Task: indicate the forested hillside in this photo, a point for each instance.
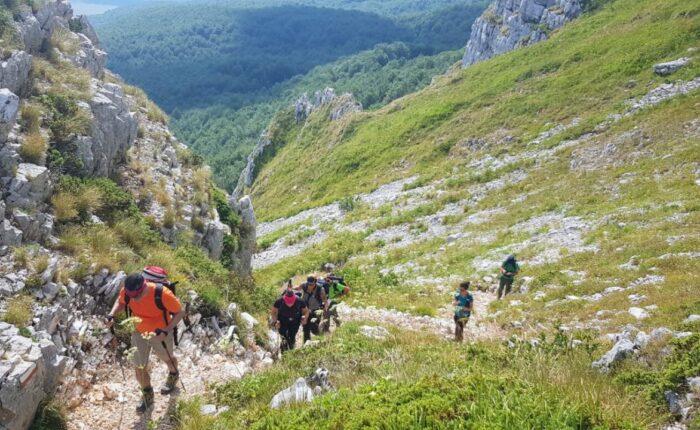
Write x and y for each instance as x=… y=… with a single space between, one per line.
x=223 y=69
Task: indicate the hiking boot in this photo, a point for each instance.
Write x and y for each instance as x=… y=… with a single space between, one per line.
x=146 y=400
x=170 y=383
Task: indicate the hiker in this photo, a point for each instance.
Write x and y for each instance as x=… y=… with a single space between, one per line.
x=509 y=269
x=464 y=304
x=315 y=299
x=287 y=314
x=146 y=300
x=336 y=289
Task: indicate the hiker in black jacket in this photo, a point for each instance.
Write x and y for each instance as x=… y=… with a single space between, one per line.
x=288 y=313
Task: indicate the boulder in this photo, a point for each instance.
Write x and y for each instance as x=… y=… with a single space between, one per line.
x=299 y=392
x=36 y=227
x=249 y=320
x=674 y=402
x=9 y=106
x=9 y=235
x=30 y=187
x=113 y=131
x=668 y=68
x=691 y=319
x=14 y=73
x=638 y=313
x=213 y=238
x=619 y=351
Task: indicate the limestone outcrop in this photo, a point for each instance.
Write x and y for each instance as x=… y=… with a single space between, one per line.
x=510 y=24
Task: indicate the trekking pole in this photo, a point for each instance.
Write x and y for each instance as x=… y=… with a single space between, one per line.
x=115 y=345
x=170 y=358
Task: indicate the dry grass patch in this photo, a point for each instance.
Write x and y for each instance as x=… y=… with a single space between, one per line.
x=33 y=149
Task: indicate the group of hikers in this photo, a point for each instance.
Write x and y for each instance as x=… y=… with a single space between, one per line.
x=310 y=305
x=151 y=298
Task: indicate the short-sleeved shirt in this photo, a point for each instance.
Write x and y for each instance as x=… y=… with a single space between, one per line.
x=462 y=302
x=511 y=267
x=335 y=290
x=151 y=317
x=290 y=314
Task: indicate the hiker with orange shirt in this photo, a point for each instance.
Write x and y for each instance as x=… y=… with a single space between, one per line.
x=159 y=311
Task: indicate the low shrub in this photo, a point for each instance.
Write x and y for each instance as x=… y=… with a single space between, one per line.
x=18 y=311
x=33 y=149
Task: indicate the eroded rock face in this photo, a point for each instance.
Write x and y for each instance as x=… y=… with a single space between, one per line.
x=510 y=24
x=113 y=131
x=14 y=72
x=243 y=257
x=90 y=57
x=9 y=106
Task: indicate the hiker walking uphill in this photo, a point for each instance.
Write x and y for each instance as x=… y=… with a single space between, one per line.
x=317 y=302
x=287 y=314
x=509 y=269
x=464 y=304
x=159 y=312
x=336 y=289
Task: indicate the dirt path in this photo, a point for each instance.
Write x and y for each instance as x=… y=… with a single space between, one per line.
x=477 y=328
x=110 y=401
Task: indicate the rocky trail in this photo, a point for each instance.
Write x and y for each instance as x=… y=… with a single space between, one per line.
x=113 y=394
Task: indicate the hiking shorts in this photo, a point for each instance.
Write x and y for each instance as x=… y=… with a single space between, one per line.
x=144 y=347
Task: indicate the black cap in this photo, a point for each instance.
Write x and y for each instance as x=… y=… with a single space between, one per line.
x=311 y=279
x=289 y=293
x=133 y=282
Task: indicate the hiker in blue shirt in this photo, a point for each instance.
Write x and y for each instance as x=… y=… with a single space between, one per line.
x=464 y=304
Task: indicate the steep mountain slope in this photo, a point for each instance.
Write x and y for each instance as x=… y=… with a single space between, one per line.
x=223 y=79
x=93 y=185
x=578 y=154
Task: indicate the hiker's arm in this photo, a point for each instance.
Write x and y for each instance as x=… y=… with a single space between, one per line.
x=305 y=318
x=175 y=320
x=346 y=291
x=116 y=309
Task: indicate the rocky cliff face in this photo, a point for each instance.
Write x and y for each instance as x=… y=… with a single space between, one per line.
x=510 y=24
x=55 y=92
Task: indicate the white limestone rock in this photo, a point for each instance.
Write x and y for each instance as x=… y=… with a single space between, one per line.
x=9 y=106
x=670 y=67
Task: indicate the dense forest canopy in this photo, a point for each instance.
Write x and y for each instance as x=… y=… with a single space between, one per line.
x=221 y=69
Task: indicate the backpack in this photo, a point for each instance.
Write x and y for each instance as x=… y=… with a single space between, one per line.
x=159 y=276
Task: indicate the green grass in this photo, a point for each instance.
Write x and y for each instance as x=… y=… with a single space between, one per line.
x=589 y=62
x=411 y=381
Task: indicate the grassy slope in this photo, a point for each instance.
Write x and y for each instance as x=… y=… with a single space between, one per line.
x=407 y=382
x=581 y=71
x=641 y=198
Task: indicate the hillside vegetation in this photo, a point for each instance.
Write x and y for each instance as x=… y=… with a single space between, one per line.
x=571 y=154
x=222 y=78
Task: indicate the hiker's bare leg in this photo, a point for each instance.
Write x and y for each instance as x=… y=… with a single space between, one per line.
x=143 y=377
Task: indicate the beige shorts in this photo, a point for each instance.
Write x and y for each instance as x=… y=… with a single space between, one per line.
x=144 y=347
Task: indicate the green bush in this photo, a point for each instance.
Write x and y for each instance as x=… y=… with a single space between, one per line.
x=51 y=415
x=349 y=203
